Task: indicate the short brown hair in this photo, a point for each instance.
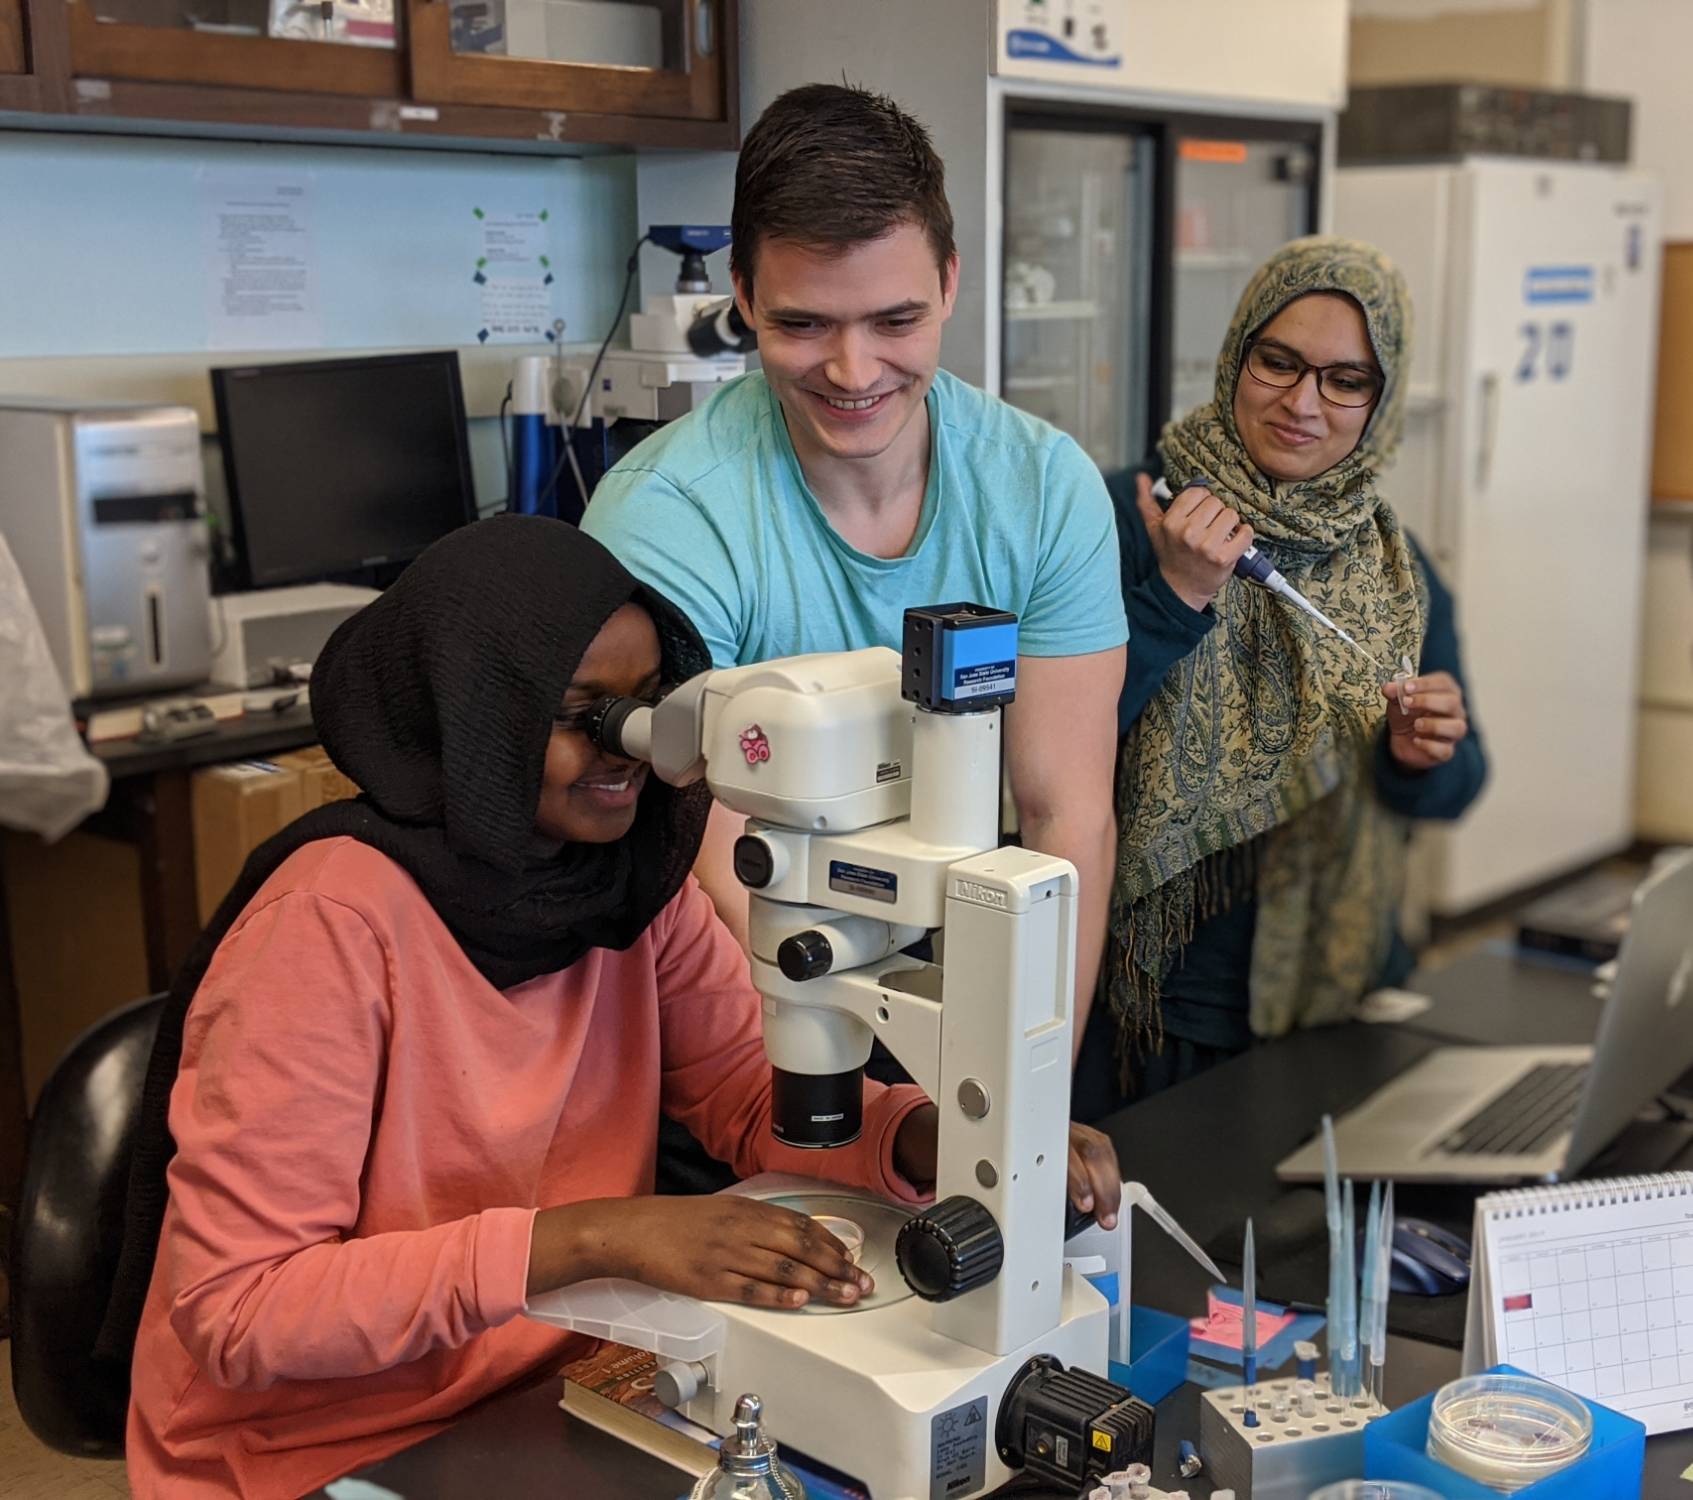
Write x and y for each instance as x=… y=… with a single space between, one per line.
x=834 y=165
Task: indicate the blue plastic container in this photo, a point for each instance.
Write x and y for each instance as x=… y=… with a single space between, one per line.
x=535 y=451
x=1157 y=1354
x=1394 y=1448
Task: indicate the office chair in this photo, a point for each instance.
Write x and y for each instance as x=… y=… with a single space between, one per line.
x=69 y=1227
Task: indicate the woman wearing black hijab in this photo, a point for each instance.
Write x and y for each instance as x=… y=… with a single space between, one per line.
x=430 y=1036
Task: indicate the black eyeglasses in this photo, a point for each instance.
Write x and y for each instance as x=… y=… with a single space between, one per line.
x=1340 y=385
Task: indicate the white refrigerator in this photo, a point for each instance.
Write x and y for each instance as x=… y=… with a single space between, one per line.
x=1525 y=476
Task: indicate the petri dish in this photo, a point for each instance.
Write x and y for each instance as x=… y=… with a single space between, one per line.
x=1374 y=1489
x=847 y=1231
x=879 y=1222
x=1507 y=1431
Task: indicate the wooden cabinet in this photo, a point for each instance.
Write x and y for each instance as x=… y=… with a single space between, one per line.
x=658 y=58
x=169 y=41
x=539 y=75
x=1672 y=448
x=12 y=56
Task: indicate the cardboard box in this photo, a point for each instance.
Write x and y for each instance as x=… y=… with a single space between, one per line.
x=235 y=809
x=1672 y=444
x=320 y=781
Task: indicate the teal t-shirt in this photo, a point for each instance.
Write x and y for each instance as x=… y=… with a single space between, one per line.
x=714 y=512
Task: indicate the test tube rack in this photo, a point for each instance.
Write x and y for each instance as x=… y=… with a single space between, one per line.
x=1287 y=1455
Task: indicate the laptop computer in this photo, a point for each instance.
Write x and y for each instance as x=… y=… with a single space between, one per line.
x=1524 y=1114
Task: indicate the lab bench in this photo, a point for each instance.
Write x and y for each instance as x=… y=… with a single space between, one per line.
x=1207 y=1149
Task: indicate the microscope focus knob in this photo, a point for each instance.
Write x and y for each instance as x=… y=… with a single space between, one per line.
x=805 y=955
x=950 y=1249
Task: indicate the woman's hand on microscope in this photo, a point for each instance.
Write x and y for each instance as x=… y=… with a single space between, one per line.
x=1096 y=1180
x=719 y=1248
x=1426 y=720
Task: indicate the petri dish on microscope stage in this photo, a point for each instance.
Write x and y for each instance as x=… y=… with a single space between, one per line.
x=846 y=1231
x=878 y=1222
x=1507 y=1431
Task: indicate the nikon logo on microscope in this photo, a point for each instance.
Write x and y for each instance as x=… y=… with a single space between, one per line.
x=983 y=895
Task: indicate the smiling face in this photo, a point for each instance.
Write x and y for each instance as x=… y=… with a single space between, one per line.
x=850 y=339
x=588 y=795
x=1292 y=432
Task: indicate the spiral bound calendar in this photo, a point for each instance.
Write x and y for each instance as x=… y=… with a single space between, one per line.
x=1590 y=1285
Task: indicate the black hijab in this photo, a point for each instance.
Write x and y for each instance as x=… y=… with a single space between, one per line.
x=438 y=701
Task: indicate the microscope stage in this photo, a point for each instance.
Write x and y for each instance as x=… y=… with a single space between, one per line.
x=880 y=1222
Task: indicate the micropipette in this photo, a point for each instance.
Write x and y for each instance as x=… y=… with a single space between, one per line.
x=1253 y=566
x=1137 y=1194
x=1249 y=1326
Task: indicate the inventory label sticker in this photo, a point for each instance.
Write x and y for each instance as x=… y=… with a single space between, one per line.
x=863 y=880
x=958 y=1450
x=987 y=677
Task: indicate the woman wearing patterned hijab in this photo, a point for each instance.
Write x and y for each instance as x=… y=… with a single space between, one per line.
x=1268 y=770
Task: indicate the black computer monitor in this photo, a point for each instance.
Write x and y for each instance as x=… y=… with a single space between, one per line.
x=338 y=466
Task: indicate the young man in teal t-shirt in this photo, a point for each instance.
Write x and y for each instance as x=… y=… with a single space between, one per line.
x=805 y=507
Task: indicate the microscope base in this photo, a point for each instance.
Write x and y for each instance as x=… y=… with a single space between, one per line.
x=879 y=1395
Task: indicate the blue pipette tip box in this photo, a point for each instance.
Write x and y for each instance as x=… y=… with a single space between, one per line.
x=1395 y=1448
x=1157 y=1354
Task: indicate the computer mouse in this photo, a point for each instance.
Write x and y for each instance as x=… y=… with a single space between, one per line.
x=1428 y=1261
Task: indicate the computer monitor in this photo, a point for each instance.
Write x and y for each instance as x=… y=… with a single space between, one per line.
x=342 y=465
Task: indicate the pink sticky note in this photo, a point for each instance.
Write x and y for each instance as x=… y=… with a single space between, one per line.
x=1224 y=1323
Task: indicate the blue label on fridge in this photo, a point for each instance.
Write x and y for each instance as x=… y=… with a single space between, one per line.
x=1558 y=284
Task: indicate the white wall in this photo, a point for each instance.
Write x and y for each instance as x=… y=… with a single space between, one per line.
x=1525 y=43
x=105 y=271
x=1644 y=49
x=103 y=249
x=1232 y=53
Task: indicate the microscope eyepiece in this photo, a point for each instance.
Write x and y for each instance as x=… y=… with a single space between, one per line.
x=608 y=726
x=720 y=329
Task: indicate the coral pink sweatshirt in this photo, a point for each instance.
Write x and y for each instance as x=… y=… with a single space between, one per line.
x=365 y=1128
